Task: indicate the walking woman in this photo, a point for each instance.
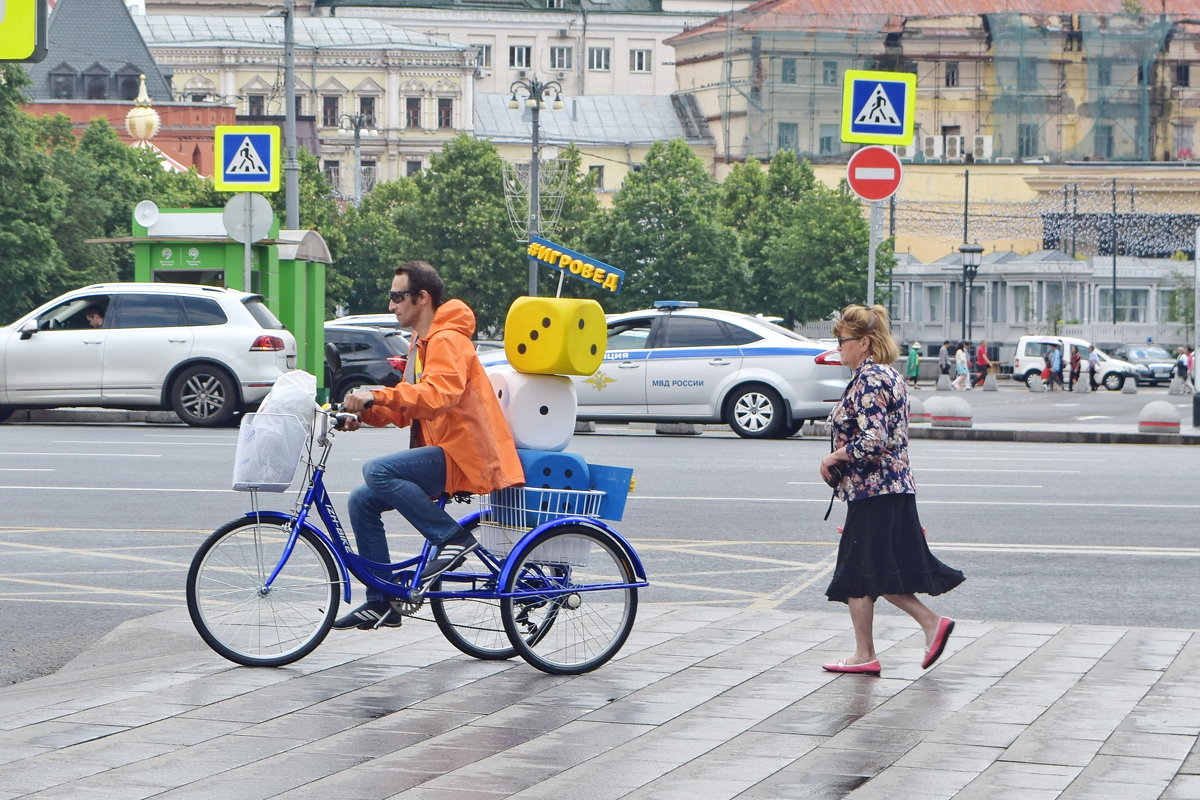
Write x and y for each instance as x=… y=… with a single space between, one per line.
x=962 y=368
x=882 y=552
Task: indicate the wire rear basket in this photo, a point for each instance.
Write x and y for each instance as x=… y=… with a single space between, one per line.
x=508 y=514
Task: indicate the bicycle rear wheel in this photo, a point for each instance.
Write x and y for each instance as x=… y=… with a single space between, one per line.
x=251 y=625
x=473 y=625
x=568 y=619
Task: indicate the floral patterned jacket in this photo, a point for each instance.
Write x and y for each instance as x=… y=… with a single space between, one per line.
x=871 y=421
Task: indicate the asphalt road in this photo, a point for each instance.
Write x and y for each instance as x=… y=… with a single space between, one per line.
x=101 y=521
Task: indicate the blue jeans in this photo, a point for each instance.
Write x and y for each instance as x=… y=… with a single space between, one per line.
x=403 y=481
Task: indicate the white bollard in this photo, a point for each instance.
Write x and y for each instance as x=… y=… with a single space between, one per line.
x=1130 y=386
x=943 y=384
x=917 y=412
x=952 y=412
x=1083 y=385
x=989 y=383
x=1176 y=386
x=1158 y=416
x=1034 y=382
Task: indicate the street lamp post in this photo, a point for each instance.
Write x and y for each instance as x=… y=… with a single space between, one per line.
x=360 y=124
x=535 y=93
x=971 y=254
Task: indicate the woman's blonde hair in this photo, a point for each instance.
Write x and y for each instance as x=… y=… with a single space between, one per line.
x=872 y=323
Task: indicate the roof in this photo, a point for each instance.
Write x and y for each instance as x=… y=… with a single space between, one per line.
x=832 y=15
x=82 y=34
x=267 y=32
x=570 y=7
x=589 y=119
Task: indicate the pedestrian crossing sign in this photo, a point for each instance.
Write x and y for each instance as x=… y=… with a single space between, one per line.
x=248 y=158
x=877 y=107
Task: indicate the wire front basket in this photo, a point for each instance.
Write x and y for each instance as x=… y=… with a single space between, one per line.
x=508 y=514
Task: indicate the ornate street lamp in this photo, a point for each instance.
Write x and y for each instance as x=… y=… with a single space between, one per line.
x=361 y=125
x=535 y=93
x=971 y=254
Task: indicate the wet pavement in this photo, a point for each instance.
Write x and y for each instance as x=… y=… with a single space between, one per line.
x=702 y=702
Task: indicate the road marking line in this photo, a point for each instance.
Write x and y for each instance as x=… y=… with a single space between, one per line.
x=123 y=489
x=163 y=594
x=76 y=455
x=96 y=554
x=170 y=444
x=735 y=556
x=925 y=485
x=924 y=501
x=26 y=469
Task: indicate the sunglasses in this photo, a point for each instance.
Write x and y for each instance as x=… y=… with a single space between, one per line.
x=842 y=341
x=398 y=296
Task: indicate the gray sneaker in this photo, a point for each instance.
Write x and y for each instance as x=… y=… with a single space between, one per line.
x=450 y=556
x=370 y=615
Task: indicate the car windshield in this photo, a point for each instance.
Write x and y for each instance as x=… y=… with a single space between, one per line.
x=1149 y=351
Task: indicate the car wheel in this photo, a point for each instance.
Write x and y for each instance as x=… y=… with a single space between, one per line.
x=204 y=396
x=347 y=387
x=756 y=412
x=1027 y=375
x=793 y=429
x=1114 y=381
x=6 y=412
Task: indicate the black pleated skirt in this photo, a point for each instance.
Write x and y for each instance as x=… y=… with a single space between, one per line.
x=883 y=551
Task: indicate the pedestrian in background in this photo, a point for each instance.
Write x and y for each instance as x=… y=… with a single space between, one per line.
x=982 y=363
x=944 y=358
x=913 y=367
x=1190 y=383
x=1093 y=365
x=961 y=367
x=882 y=552
x=1054 y=357
x=1076 y=366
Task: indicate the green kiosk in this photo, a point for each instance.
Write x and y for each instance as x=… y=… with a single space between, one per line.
x=192 y=245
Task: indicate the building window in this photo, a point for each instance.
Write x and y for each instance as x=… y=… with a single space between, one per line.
x=829 y=73
x=830 y=134
x=789 y=137
x=485 y=55
x=368 y=173
x=366 y=107
x=787 y=70
x=1183 y=74
x=639 y=60
x=560 y=57
x=95 y=87
x=1104 y=141
x=333 y=173
x=935 y=308
x=412 y=167
x=62 y=86
x=555 y=4
x=412 y=112
x=256 y=105
x=520 y=56
x=445 y=112
x=599 y=59
x=951 y=74
x=1183 y=138
x=1027 y=140
x=1132 y=305
x=1027 y=75
x=1104 y=73
x=330 y=110
x=129 y=85
x=596 y=173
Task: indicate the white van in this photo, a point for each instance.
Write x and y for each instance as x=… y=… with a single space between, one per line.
x=1029 y=360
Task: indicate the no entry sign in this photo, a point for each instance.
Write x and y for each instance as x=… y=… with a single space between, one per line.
x=874 y=173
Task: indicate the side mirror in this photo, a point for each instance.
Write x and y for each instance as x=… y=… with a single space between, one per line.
x=29 y=329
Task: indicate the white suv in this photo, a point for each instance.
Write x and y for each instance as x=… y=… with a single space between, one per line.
x=202 y=351
x=1111 y=372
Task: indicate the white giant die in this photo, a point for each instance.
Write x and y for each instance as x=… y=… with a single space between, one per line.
x=540 y=409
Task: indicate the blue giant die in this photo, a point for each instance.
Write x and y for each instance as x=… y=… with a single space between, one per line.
x=550 y=469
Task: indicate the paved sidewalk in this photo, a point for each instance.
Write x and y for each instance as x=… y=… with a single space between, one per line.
x=703 y=703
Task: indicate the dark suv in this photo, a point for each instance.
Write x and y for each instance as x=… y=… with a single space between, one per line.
x=362 y=356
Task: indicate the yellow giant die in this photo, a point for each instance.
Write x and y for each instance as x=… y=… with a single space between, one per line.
x=555 y=335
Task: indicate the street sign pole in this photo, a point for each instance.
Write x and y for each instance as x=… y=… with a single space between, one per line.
x=873 y=244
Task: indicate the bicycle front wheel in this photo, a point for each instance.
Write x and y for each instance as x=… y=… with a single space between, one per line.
x=573 y=605
x=246 y=622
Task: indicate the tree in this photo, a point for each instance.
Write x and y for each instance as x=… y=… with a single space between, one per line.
x=32 y=199
x=817 y=263
x=664 y=231
x=371 y=238
x=580 y=204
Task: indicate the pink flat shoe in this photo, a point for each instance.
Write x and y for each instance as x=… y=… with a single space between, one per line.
x=869 y=668
x=945 y=627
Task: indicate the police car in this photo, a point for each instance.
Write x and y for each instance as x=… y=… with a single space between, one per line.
x=680 y=363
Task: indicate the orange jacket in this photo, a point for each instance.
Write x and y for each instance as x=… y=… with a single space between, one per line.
x=455 y=405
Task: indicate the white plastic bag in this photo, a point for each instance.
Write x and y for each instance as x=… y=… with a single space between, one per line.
x=268 y=450
x=294 y=393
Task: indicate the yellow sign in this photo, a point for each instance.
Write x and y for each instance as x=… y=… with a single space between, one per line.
x=23 y=30
x=248 y=158
x=878 y=107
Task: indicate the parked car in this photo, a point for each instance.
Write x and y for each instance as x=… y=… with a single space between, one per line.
x=362 y=355
x=205 y=352
x=372 y=320
x=681 y=364
x=1151 y=362
x=1028 y=360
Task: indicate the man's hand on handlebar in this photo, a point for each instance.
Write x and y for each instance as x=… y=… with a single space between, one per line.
x=356 y=402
